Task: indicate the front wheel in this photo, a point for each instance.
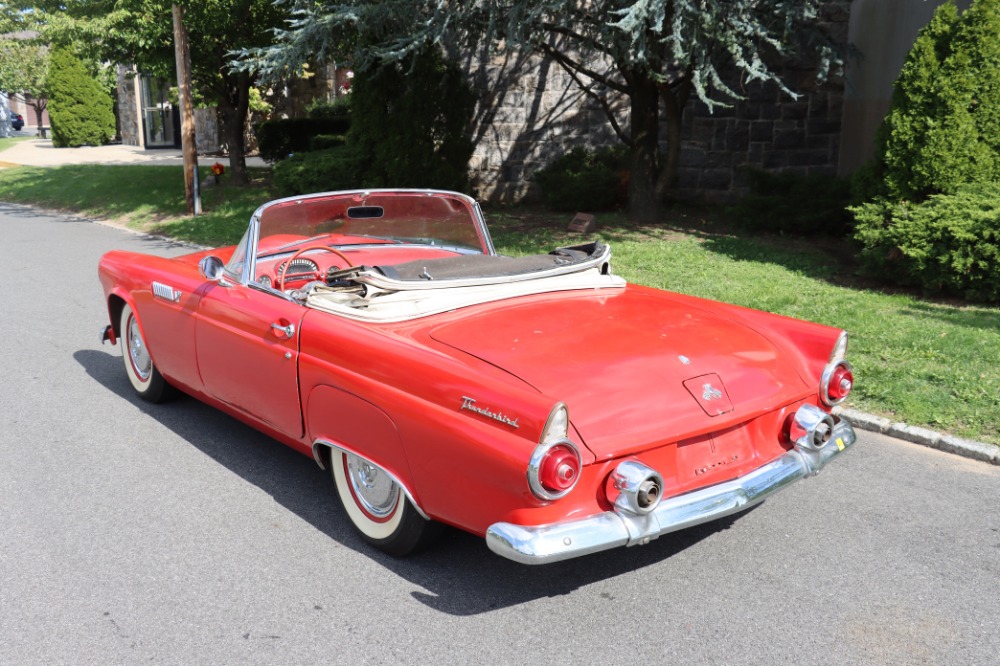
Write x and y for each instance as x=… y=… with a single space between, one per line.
x=147 y=381
x=378 y=508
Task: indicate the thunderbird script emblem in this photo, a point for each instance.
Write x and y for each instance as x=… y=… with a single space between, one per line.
x=470 y=404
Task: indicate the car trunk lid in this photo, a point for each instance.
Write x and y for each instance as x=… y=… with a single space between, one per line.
x=636 y=368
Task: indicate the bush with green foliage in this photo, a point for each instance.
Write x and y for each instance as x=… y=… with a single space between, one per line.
x=324 y=110
x=795 y=204
x=584 y=179
x=327 y=141
x=411 y=123
x=408 y=129
x=948 y=244
x=943 y=125
x=320 y=171
x=279 y=138
x=79 y=108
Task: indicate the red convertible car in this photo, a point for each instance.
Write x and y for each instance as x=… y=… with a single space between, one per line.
x=539 y=401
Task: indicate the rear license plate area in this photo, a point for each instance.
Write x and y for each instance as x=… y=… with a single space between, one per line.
x=713 y=458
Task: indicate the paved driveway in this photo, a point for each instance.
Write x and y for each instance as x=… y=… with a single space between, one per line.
x=172 y=534
x=40 y=152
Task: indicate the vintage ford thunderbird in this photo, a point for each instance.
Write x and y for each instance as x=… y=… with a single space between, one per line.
x=540 y=400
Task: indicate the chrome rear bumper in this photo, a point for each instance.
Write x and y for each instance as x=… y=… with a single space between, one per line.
x=561 y=541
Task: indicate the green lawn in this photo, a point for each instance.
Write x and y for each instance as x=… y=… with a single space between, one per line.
x=150 y=198
x=930 y=363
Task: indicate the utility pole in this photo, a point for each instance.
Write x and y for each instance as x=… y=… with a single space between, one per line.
x=189 y=147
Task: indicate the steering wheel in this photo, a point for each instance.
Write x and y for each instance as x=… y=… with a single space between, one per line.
x=310 y=248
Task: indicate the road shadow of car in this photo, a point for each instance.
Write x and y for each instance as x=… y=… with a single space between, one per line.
x=459 y=575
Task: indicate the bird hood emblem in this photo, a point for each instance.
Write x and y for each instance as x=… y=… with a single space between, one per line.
x=710 y=393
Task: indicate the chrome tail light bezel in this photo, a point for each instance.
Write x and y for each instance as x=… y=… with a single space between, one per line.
x=824 y=384
x=538 y=457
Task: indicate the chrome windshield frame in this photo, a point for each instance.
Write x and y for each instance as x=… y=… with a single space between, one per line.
x=253 y=229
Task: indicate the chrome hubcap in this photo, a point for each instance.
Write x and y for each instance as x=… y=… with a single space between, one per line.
x=374 y=490
x=141 y=361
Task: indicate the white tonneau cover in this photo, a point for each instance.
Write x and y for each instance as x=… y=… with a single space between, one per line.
x=391 y=295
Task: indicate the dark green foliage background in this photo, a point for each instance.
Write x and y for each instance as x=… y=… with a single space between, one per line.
x=277 y=139
x=319 y=171
x=79 y=108
x=794 y=204
x=411 y=123
x=409 y=128
x=584 y=180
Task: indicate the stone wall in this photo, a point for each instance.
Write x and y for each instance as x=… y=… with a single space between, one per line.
x=768 y=131
x=129 y=123
x=531 y=111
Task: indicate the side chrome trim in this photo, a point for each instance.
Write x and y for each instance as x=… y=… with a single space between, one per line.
x=318 y=444
x=542 y=544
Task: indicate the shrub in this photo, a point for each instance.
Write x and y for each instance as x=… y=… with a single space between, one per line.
x=943 y=125
x=411 y=121
x=584 y=179
x=323 y=110
x=79 y=108
x=790 y=203
x=409 y=129
x=277 y=139
x=319 y=171
x=326 y=141
x=948 y=244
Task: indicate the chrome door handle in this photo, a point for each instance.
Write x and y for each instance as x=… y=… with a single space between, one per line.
x=287 y=331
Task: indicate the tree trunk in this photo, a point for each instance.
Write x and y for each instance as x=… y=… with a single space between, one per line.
x=674 y=101
x=234 y=116
x=645 y=134
x=39 y=107
x=189 y=147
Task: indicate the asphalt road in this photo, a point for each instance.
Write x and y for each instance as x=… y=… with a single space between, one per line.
x=173 y=534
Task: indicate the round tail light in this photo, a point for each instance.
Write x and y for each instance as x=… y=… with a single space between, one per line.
x=554 y=470
x=837 y=382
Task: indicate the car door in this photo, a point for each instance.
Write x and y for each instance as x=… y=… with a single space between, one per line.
x=247 y=346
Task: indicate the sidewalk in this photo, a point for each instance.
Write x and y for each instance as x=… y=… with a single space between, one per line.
x=41 y=153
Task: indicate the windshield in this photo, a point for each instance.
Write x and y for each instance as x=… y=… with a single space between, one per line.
x=358 y=218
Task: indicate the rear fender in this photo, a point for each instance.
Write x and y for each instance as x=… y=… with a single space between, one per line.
x=337 y=419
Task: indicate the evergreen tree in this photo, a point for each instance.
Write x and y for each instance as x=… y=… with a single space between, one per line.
x=79 y=108
x=410 y=122
x=943 y=125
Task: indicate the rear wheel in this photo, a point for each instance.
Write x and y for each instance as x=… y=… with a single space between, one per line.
x=378 y=508
x=147 y=381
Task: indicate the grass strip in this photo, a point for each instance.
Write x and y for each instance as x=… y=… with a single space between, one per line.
x=145 y=198
x=929 y=363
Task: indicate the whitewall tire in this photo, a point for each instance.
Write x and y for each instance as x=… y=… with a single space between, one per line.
x=377 y=507
x=147 y=381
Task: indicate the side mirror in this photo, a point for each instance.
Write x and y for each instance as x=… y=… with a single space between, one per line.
x=211 y=268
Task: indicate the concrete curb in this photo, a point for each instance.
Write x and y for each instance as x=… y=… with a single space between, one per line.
x=966 y=448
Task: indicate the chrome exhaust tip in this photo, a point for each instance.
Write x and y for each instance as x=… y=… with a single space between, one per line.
x=640 y=488
x=811 y=428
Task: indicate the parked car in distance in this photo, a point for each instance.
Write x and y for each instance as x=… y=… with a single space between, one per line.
x=16 y=121
x=540 y=401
